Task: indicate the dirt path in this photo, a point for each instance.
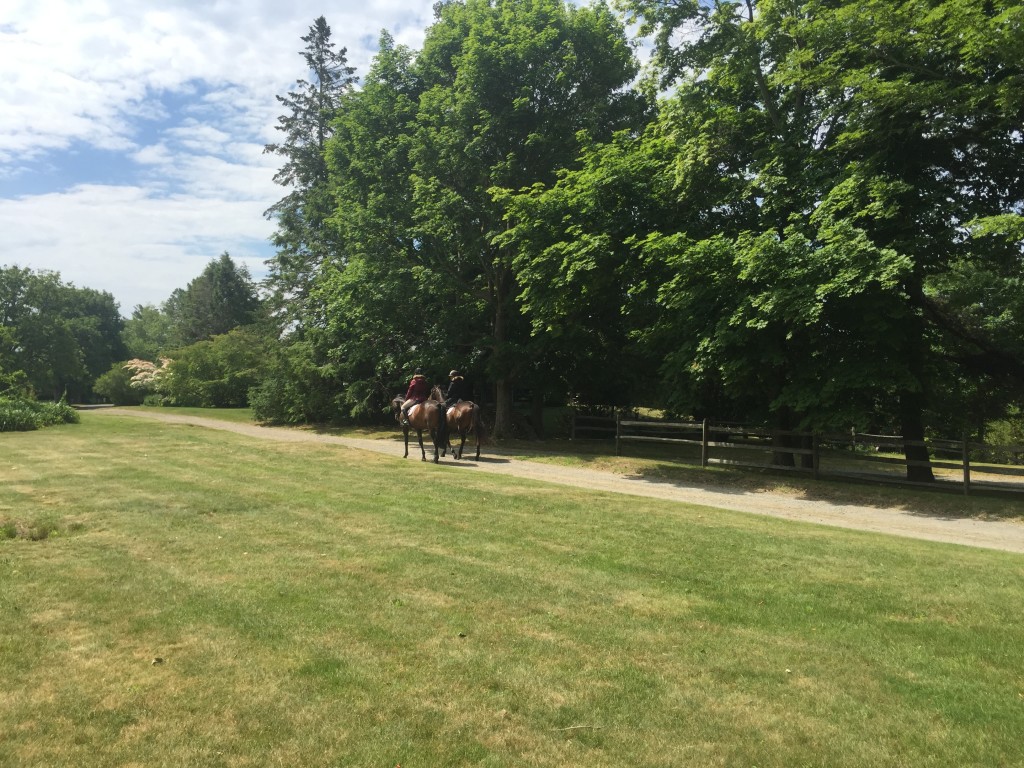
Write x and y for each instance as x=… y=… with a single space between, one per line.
x=1007 y=536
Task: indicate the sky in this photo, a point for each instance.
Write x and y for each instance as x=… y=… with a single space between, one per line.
x=132 y=131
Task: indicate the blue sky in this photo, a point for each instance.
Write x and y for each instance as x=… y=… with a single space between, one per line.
x=131 y=131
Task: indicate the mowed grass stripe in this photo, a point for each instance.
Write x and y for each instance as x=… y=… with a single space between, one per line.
x=315 y=605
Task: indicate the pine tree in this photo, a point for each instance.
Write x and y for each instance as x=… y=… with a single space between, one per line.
x=303 y=238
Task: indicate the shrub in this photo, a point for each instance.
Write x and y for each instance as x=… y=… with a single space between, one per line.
x=22 y=415
x=1005 y=433
x=14 y=384
x=295 y=389
x=117 y=385
x=17 y=415
x=217 y=372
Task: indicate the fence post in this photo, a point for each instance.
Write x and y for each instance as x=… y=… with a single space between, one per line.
x=815 y=455
x=618 y=429
x=704 y=443
x=967 y=466
x=572 y=426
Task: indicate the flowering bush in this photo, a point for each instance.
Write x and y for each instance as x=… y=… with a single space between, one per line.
x=147 y=375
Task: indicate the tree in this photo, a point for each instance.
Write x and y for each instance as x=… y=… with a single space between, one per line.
x=221 y=298
x=58 y=336
x=116 y=386
x=217 y=372
x=509 y=89
x=304 y=238
x=381 y=314
x=834 y=154
x=148 y=332
x=585 y=289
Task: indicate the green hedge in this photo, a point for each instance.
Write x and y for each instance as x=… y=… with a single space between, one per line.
x=21 y=415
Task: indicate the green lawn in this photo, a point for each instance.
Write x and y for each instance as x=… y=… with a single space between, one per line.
x=175 y=596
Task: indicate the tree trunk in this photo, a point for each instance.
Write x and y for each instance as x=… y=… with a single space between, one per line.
x=502 y=408
x=503 y=379
x=537 y=413
x=912 y=424
x=780 y=457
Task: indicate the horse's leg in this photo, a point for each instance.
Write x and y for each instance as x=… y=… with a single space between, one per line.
x=435 y=436
x=405 y=431
x=462 y=445
x=423 y=453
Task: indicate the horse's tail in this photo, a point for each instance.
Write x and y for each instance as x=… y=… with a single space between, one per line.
x=477 y=424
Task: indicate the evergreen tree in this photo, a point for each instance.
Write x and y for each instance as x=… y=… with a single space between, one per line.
x=222 y=298
x=304 y=238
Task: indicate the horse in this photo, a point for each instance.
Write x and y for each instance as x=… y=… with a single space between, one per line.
x=422 y=416
x=461 y=418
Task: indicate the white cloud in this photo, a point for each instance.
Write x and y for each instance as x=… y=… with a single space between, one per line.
x=182 y=92
x=129 y=241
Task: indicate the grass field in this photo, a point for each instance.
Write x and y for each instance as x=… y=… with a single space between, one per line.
x=174 y=596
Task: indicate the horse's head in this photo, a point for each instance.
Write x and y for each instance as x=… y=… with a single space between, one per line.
x=396 y=406
x=436 y=394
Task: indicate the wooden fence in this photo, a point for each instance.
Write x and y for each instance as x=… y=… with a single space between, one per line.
x=878 y=458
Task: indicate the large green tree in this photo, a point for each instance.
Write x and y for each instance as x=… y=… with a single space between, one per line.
x=148 y=332
x=59 y=336
x=382 y=313
x=587 y=292
x=304 y=239
x=834 y=155
x=510 y=88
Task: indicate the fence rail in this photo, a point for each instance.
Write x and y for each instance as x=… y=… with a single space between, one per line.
x=860 y=456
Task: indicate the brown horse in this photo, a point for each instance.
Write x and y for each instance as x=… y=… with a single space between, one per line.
x=422 y=416
x=462 y=418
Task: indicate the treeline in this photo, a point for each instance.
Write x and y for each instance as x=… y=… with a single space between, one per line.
x=61 y=342
x=802 y=214
x=805 y=214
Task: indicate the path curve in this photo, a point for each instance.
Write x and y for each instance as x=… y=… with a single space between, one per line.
x=989 y=534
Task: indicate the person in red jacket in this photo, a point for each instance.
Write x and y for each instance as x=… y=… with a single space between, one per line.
x=418 y=391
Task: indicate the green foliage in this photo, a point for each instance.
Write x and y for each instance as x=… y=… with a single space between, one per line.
x=819 y=226
x=828 y=157
x=61 y=337
x=223 y=297
x=217 y=372
x=295 y=388
x=500 y=97
x=1008 y=434
x=116 y=386
x=304 y=237
x=148 y=332
x=24 y=415
x=14 y=384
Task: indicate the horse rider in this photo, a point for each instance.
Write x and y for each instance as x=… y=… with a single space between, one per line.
x=418 y=391
x=458 y=389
